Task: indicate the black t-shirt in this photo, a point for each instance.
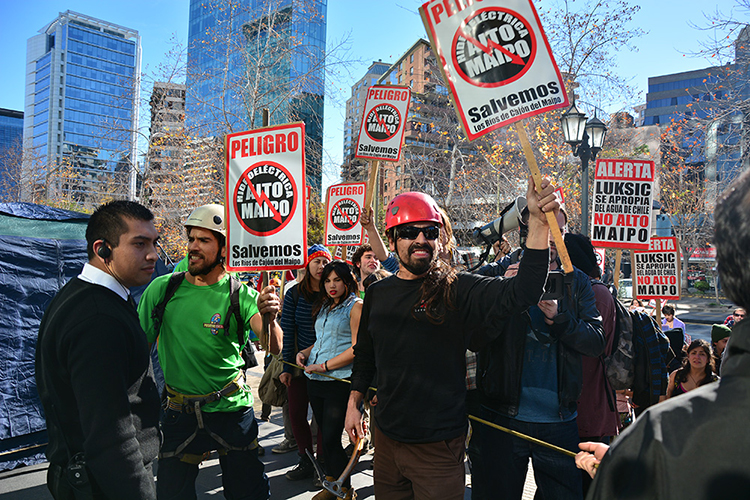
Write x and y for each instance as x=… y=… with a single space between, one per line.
x=421 y=366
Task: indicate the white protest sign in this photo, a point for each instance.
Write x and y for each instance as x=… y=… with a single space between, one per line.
x=343 y=214
x=338 y=253
x=266 y=206
x=496 y=59
x=657 y=270
x=623 y=194
x=383 y=123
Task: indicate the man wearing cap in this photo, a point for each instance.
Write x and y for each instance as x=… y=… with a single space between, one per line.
x=209 y=405
x=719 y=338
x=414 y=330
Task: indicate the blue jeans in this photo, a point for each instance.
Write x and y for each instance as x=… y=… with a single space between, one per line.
x=242 y=475
x=505 y=458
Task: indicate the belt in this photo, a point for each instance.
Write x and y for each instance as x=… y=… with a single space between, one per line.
x=190 y=403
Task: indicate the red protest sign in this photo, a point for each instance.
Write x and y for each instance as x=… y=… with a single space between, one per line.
x=383 y=123
x=623 y=195
x=657 y=270
x=265 y=187
x=496 y=60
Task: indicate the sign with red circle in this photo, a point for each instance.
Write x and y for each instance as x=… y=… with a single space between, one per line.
x=493 y=48
x=343 y=214
x=496 y=60
x=383 y=123
x=265 y=198
x=267 y=227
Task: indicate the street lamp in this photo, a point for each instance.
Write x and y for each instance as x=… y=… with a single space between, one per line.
x=576 y=132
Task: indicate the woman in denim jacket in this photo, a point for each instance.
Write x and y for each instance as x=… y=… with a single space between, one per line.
x=337 y=321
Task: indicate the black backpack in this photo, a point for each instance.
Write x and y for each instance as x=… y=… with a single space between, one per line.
x=248 y=349
x=640 y=355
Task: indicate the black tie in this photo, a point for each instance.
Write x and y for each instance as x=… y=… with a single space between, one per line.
x=131 y=301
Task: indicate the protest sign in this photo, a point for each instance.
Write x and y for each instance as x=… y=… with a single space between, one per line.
x=265 y=186
x=343 y=214
x=623 y=194
x=657 y=270
x=496 y=59
x=383 y=123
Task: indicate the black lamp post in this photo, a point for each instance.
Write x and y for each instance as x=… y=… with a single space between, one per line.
x=577 y=132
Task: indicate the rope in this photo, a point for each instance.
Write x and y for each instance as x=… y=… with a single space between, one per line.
x=22 y=449
x=472 y=417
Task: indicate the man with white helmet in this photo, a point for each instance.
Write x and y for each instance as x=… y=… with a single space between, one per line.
x=200 y=321
x=414 y=330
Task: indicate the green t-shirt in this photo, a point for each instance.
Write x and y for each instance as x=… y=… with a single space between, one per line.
x=195 y=355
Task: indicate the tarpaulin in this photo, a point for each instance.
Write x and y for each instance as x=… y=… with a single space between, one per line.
x=41 y=248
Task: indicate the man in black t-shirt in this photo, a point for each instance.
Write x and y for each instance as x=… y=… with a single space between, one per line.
x=414 y=330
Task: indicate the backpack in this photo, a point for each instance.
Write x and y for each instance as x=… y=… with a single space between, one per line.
x=248 y=350
x=640 y=355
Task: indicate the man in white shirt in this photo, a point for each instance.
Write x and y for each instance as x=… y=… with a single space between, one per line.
x=93 y=368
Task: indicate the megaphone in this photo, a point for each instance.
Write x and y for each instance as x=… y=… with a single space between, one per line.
x=513 y=216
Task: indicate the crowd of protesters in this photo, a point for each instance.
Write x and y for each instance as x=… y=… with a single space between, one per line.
x=436 y=342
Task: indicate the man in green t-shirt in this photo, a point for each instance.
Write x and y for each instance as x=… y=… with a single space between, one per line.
x=209 y=405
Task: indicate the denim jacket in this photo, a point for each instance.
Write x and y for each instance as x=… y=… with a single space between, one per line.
x=333 y=335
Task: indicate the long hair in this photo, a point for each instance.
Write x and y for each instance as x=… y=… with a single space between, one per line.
x=437 y=291
x=340 y=269
x=309 y=291
x=684 y=370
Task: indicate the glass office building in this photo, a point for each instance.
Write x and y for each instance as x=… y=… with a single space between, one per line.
x=248 y=55
x=11 y=135
x=81 y=108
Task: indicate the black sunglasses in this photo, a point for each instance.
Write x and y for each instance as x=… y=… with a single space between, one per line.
x=412 y=232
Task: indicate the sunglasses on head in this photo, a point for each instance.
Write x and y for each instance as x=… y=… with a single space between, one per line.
x=412 y=232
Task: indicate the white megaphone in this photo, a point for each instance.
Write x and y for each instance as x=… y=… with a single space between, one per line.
x=510 y=218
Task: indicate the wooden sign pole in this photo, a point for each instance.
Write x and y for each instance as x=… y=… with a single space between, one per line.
x=265 y=335
x=562 y=250
x=618 y=262
x=371 y=185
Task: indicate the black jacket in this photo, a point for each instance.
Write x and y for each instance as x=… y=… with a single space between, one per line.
x=97 y=388
x=691 y=446
x=578 y=330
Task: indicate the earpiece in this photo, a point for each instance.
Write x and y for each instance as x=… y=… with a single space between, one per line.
x=104 y=251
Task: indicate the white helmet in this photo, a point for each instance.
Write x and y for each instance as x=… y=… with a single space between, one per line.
x=208 y=217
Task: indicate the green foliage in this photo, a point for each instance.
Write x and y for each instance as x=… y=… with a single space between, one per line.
x=316 y=220
x=702 y=286
x=641 y=150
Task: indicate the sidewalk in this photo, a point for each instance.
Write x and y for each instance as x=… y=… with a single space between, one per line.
x=702 y=310
x=29 y=483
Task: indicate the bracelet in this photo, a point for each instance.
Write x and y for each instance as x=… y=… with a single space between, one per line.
x=326 y=366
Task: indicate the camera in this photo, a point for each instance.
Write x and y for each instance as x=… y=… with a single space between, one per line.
x=555 y=286
x=513 y=216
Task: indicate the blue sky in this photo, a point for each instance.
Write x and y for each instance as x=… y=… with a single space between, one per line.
x=381 y=29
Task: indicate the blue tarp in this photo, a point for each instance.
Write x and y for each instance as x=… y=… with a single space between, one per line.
x=41 y=248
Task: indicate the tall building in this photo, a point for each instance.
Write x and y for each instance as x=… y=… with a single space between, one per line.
x=708 y=107
x=248 y=55
x=81 y=108
x=351 y=168
x=432 y=135
x=167 y=131
x=11 y=136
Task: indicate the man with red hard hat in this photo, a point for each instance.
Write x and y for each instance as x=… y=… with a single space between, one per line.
x=414 y=330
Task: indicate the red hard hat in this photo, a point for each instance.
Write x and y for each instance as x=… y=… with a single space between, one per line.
x=411 y=207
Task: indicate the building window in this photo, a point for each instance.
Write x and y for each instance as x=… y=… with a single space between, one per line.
x=411 y=58
x=398 y=184
x=411 y=70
